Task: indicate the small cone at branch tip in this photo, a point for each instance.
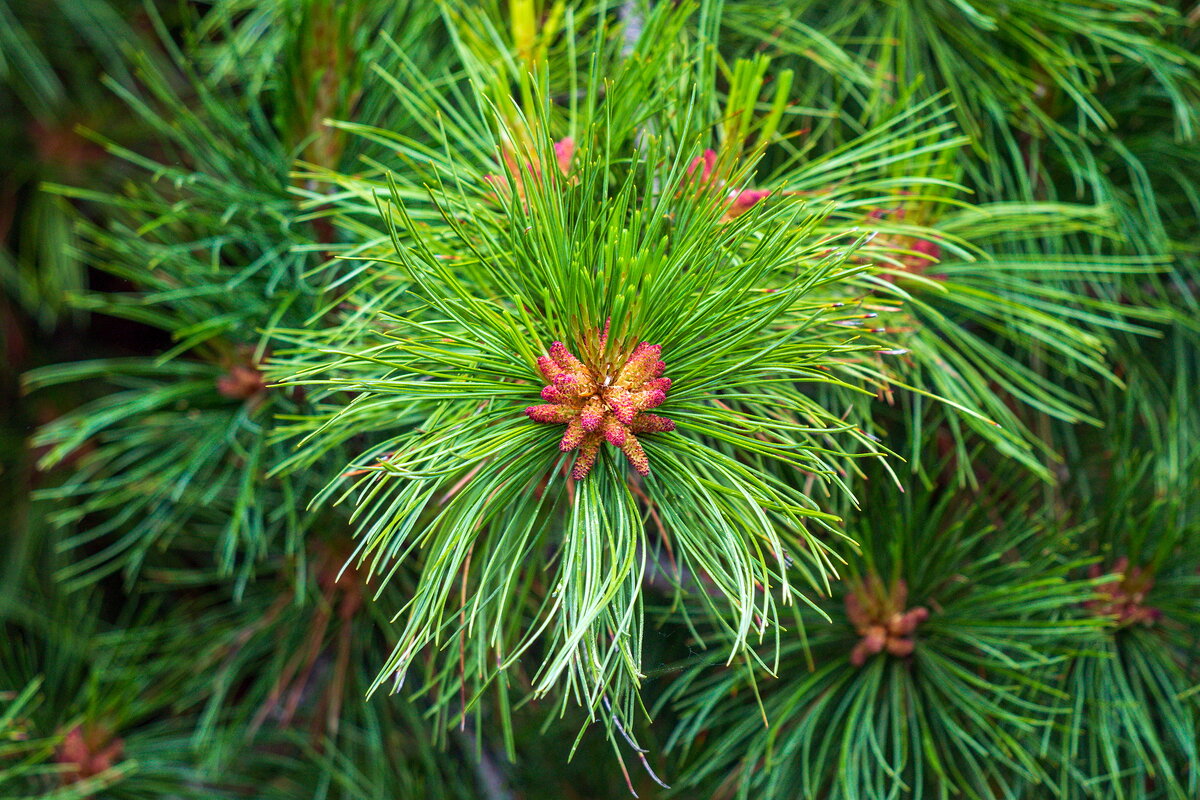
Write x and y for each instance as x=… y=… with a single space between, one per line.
x=865 y=648
x=242 y=382
x=736 y=202
x=564 y=154
x=87 y=751
x=931 y=250
x=599 y=404
x=919 y=253
x=905 y=624
x=879 y=615
x=639 y=366
x=579 y=386
x=1124 y=598
x=875 y=639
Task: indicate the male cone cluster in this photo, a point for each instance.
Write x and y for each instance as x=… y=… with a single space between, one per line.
x=605 y=403
x=881 y=620
x=918 y=253
x=1124 y=597
x=87 y=751
x=739 y=202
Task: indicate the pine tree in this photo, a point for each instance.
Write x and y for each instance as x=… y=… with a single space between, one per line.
x=794 y=399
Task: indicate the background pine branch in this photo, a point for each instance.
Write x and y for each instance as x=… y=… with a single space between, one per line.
x=563 y=399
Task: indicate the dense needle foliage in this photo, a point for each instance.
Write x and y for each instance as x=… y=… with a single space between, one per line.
x=544 y=398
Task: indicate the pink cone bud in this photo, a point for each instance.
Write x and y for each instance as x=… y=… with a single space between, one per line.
x=855 y=613
x=639 y=366
x=745 y=200
x=875 y=638
x=709 y=160
x=932 y=250
x=564 y=151
x=621 y=402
